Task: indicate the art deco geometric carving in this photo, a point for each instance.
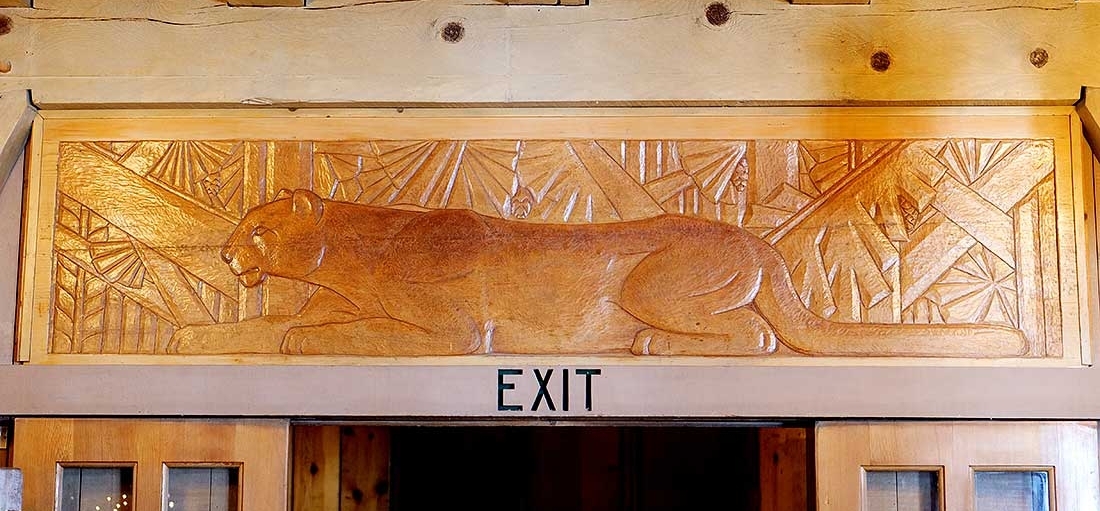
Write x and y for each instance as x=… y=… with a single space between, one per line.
x=771 y=247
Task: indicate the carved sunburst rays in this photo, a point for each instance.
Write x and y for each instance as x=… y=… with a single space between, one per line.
x=552 y=181
x=209 y=172
x=119 y=262
x=113 y=293
x=978 y=288
x=969 y=159
x=112 y=251
x=430 y=174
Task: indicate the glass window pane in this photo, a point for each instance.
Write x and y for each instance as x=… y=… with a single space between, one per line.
x=1012 y=490
x=96 y=488
x=911 y=490
x=202 y=489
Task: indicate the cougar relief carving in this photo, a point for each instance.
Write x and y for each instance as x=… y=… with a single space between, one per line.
x=394 y=282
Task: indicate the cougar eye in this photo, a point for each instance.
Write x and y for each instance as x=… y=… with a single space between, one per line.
x=259 y=230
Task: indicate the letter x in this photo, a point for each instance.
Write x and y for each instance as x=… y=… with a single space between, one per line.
x=543 y=392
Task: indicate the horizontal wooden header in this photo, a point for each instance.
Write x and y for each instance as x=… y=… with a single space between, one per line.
x=626 y=52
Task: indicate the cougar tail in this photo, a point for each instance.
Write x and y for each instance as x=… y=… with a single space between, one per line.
x=803 y=331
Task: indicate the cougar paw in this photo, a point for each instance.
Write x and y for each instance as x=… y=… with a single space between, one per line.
x=188 y=340
x=649 y=341
x=294 y=342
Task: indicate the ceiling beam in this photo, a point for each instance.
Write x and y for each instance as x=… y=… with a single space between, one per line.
x=266 y=3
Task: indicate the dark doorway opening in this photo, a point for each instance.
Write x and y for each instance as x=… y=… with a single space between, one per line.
x=552 y=468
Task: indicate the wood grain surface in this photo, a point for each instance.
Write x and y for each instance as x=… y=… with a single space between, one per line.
x=687 y=236
x=259 y=447
x=341 y=52
x=955 y=451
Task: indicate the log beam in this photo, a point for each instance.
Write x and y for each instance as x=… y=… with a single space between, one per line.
x=612 y=52
x=16 y=115
x=266 y=3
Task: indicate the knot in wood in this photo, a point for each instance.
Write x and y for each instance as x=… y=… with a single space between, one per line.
x=880 y=61
x=452 y=32
x=1039 y=57
x=718 y=14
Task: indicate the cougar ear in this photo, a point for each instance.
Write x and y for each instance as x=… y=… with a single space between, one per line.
x=307 y=203
x=283 y=194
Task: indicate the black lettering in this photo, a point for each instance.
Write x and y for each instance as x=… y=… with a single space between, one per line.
x=565 y=390
x=543 y=391
x=588 y=374
x=503 y=386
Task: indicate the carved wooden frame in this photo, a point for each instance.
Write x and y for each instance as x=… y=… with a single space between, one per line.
x=1058 y=125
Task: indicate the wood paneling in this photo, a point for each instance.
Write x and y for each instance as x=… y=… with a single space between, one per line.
x=785 y=469
x=5 y=444
x=845 y=450
x=610 y=51
x=315 y=482
x=260 y=448
x=364 y=469
x=341 y=468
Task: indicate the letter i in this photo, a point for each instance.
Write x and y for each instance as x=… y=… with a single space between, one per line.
x=565 y=390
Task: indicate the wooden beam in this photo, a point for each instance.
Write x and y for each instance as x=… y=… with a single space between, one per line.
x=1089 y=110
x=266 y=3
x=11 y=215
x=16 y=114
x=543 y=2
x=831 y=2
x=15 y=3
x=342 y=52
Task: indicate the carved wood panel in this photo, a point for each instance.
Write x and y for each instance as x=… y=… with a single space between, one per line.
x=757 y=248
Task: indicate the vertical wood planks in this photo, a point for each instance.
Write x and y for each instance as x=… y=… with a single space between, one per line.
x=783 y=469
x=364 y=468
x=341 y=468
x=316 y=468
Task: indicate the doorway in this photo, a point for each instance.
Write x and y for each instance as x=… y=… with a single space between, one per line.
x=544 y=468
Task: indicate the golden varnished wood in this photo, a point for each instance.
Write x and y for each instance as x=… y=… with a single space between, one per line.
x=832 y=237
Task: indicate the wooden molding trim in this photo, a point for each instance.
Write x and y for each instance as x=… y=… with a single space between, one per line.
x=16 y=115
x=1089 y=110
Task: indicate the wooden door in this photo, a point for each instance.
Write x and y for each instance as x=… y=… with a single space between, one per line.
x=254 y=452
x=957 y=466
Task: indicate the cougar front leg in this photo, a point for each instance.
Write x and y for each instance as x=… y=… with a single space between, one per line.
x=258 y=335
x=263 y=335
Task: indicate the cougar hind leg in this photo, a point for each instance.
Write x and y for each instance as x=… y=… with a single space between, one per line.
x=755 y=337
x=697 y=303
